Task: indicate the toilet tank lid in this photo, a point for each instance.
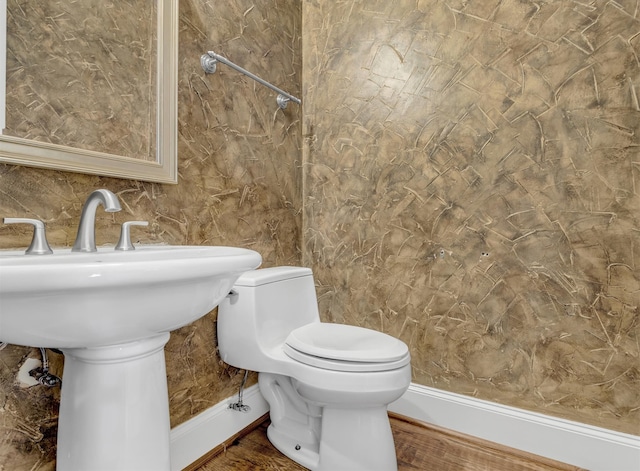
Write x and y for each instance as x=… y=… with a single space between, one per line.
x=271 y=275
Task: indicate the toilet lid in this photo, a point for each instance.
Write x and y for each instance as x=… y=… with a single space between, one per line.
x=346 y=343
x=345 y=366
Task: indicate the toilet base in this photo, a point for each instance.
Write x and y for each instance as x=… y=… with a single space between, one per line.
x=290 y=447
x=358 y=439
x=351 y=440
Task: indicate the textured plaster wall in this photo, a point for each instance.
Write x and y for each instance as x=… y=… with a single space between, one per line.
x=239 y=184
x=472 y=180
x=469 y=185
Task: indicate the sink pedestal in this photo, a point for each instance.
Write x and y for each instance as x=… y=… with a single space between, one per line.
x=114 y=408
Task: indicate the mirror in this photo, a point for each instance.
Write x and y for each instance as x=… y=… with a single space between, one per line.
x=154 y=118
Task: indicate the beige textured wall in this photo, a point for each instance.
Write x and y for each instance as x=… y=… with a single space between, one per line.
x=472 y=185
x=240 y=175
x=469 y=186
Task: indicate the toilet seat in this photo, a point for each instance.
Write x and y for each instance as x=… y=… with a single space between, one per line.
x=345 y=348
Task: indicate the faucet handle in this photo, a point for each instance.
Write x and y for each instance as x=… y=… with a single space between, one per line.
x=39 y=244
x=124 y=243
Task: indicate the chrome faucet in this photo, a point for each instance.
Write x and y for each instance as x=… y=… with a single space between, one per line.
x=86 y=238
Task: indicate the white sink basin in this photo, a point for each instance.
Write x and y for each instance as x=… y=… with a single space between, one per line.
x=69 y=300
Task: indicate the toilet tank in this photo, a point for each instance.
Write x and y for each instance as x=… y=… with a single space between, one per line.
x=264 y=307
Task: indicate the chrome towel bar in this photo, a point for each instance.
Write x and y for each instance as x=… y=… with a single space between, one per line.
x=209 y=60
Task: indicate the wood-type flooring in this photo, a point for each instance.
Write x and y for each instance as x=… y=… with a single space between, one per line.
x=419 y=447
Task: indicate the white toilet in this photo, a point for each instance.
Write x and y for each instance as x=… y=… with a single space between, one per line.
x=328 y=385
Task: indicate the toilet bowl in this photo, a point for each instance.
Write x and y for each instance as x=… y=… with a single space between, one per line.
x=328 y=385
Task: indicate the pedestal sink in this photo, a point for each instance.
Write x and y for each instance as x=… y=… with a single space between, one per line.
x=111 y=313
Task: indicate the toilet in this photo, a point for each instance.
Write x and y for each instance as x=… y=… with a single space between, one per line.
x=328 y=385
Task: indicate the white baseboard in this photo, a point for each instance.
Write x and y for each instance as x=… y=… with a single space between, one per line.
x=589 y=447
x=201 y=434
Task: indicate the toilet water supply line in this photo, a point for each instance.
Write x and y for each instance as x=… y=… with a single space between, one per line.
x=239 y=406
x=209 y=60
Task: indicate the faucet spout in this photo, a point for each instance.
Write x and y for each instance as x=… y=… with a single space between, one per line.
x=86 y=238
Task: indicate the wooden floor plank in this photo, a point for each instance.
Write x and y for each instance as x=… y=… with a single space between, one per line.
x=419 y=447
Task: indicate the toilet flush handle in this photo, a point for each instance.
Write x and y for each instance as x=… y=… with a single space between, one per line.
x=233 y=295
